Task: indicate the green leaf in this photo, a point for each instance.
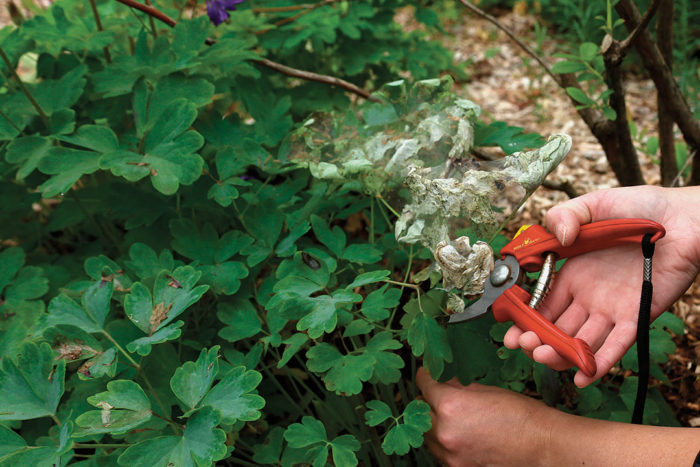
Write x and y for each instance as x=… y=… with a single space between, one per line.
x=332 y=238
x=579 y=96
x=212 y=253
x=89 y=316
x=66 y=166
x=588 y=51
x=94 y=138
x=309 y=431
x=311 y=434
x=234 y=396
x=201 y=444
x=357 y=328
x=123 y=407
x=29 y=151
x=169 y=151
x=172 y=295
x=609 y=113
x=362 y=253
x=321 y=319
x=15 y=452
x=192 y=380
x=241 y=319
x=31 y=384
x=509 y=138
x=416 y=421
x=293 y=345
x=377 y=304
x=146 y=264
x=377 y=413
x=387 y=365
x=143 y=345
x=103 y=364
x=426 y=337
x=369 y=278
x=346 y=373
x=568 y=67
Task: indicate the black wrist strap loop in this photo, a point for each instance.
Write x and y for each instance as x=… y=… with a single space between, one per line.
x=643 y=332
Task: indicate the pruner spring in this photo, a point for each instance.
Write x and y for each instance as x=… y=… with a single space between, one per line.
x=544 y=282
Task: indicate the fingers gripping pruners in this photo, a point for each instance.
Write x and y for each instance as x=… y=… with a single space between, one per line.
x=535 y=249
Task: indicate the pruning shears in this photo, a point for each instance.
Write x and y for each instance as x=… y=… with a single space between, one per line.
x=534 y=249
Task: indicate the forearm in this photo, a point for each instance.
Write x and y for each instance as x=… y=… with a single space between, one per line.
x=576 y=440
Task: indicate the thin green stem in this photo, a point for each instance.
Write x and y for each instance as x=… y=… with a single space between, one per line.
x=26 y=92
x=12 y=124
x=98 y=22
x=56 y=420
x=410 y=264
x=402 y=284
x=371 y=220
x=121 y=350
x=152 y=23
x=388 y=206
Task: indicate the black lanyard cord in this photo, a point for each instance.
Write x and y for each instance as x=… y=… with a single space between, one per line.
x=643 y=332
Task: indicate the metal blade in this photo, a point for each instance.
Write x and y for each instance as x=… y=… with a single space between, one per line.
x=505 y=274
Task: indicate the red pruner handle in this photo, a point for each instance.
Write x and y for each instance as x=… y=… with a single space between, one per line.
x=533 y=244
x=511 y=305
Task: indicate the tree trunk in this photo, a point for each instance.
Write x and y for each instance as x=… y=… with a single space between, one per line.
x=664 y=37
x=665 y=83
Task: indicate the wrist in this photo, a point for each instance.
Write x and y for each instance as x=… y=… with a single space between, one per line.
x=684 y=203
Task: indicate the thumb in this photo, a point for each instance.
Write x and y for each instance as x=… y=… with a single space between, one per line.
x=565 y=219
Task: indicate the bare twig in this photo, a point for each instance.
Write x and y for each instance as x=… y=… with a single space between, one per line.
x=561 y=185
x=287 y=70
x=149 y=10
x=98 y=22
x=512 y=36
x=310 y=76
x=626 y=43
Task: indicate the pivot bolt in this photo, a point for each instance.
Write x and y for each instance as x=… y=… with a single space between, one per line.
x=500 y=275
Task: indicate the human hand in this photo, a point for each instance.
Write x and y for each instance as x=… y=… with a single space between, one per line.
x=483 y=425
x=595 y=296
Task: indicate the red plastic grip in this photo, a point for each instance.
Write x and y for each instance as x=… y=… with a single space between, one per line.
x=511 y=305
x=532 y=245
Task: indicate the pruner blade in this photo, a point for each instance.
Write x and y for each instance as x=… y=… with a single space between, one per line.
x=506 y=273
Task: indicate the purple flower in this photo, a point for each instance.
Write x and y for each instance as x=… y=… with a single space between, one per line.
x=217 y=9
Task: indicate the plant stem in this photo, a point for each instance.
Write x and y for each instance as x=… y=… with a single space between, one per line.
x=26 y=92
x=98 y=22
x=402 y=284
x=152 y=23
x=388 y=206
x=121 y=349
x=12 y=124
x=56 y=420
